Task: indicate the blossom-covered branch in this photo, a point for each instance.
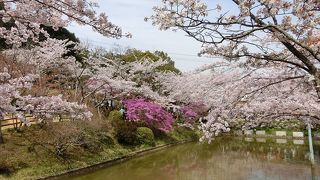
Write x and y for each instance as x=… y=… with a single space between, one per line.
x=258 y=34
x=28 y=15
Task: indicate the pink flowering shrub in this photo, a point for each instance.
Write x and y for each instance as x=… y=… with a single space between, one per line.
x=193 y=111
x=141 y=110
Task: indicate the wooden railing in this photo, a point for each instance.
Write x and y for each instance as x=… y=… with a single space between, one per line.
x=11 y=121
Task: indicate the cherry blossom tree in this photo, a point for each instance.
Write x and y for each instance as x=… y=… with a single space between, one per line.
x=26 y=20
x=276 y=49
x=28 y=15
x=110 y=79
x=217 y=90
x=257 y=33
x=44 y=57
x=96 y=78
x=45 y=61
x=254 y=97
x=14 y=101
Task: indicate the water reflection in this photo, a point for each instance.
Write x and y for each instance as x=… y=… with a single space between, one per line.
x=225 y=158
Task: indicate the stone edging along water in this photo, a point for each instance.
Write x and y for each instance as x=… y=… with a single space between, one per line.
x=280 y=136
x=111 y=162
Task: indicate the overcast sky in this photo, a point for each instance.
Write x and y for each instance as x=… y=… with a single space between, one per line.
x=129 y=15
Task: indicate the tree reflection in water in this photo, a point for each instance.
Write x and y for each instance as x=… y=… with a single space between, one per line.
x=225 y=158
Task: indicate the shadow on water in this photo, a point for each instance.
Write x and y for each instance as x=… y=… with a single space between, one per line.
x=225 y=158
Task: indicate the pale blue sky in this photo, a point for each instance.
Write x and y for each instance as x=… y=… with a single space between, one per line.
x=130 y=14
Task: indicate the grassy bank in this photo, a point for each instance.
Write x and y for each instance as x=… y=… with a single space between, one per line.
x=47 y=150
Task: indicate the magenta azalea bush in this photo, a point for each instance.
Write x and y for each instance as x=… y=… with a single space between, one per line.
x=152 y=114
x=193 y=111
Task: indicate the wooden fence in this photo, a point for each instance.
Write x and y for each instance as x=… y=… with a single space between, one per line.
x=11 y=121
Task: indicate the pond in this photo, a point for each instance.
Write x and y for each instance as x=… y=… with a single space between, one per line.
x=224 y=158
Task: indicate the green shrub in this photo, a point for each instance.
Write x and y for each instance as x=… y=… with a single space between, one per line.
x=145 y=136
x=126 y=132
x=93 y=141
x=6 y=167
x=90 y=142
x=114 y=117
x=183 y=133
x=64 y=140
x=105 y=138
x=9 y=161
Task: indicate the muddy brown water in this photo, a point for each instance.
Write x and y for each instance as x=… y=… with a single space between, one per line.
x=224 y=158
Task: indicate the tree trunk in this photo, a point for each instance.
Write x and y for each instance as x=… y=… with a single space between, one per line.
x=317 y=83
x=1 y=119
x=1 y=137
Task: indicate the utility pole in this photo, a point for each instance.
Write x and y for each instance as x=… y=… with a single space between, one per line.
x=310 y=144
